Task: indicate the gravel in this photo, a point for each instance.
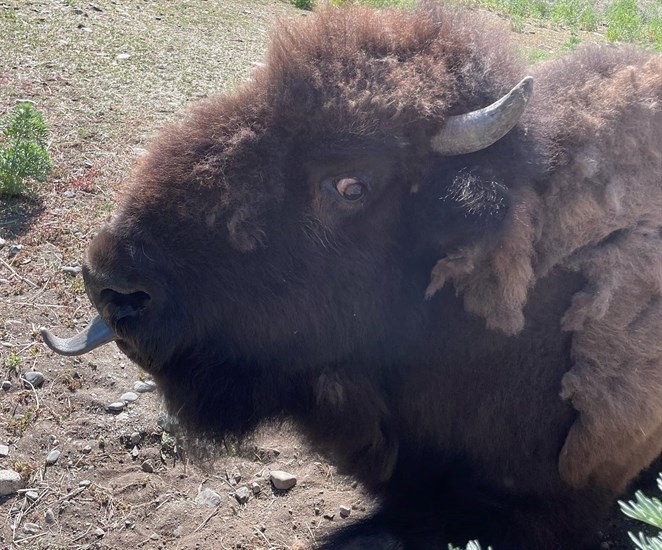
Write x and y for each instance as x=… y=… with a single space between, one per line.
x=283 y=481
x=52 y=457
x=207 y=497
x=10 y=482
x=33 y=379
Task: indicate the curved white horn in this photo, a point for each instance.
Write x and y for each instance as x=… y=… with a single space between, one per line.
x=479 y=129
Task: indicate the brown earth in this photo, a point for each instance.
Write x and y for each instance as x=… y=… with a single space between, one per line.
x=107 y=76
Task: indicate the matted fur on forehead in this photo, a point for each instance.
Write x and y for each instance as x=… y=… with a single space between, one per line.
x=358 y=71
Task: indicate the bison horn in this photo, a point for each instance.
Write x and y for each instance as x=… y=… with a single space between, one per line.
x=479 y=129
x=96 y=334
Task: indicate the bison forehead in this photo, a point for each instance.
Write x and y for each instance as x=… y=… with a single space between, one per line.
x=377 y=72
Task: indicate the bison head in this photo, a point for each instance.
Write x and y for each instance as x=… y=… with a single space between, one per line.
x=292 y=227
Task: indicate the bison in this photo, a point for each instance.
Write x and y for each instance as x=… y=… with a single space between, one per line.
x=439 y=275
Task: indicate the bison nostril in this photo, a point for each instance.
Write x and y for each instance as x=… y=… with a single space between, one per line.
x=120 y=305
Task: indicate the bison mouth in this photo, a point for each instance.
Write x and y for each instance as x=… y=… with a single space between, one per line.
x=96 y=334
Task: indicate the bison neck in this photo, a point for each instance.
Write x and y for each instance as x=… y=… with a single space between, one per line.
x=453 y=399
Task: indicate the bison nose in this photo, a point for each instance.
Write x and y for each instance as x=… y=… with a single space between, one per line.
x=115 y=306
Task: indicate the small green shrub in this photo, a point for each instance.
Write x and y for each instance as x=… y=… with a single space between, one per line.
x=303 y=4
x=624 y=21
x=575 y=14
x=647 y=510
x=23 y=153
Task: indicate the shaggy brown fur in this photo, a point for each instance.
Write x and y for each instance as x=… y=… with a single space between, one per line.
x=527 y=388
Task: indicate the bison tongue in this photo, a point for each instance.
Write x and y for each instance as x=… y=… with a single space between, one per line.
x=96 y=334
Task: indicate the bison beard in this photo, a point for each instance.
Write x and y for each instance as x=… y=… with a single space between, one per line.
x=434 y=292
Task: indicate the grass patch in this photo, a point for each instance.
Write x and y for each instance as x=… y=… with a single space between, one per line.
x=636 y=21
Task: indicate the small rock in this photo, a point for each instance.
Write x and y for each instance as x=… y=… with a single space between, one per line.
x=14 y=249
x=6 y=385
x=135 y=452
x=32 y=495
x=116 y=407
x=2 y=242
x=317 y=510
x=329 y=516
x=147 y=467
x=236 y=476
x=72 y=270
x=282 y=480
x=52 y=457
x=135 y=438
x=208 y=497
x=255 y=487
x=242 y=494
x=10 y=482
x=87 y=449
x=84 y=483
x=69 y=194
x=144 y=387
x=49 y=516
x=4 y=451
x=95 y=7
x=345 y=511
x=31 y=528
x=99 y=532
x=33 y=379
x=122 y=56
x=129 y=397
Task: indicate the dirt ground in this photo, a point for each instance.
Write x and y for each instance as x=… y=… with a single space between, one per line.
x=107 y=75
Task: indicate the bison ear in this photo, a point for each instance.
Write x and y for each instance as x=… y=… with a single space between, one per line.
x=481 y=233
x=460 y=207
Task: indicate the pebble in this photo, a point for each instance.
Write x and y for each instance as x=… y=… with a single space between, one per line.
x=84 y=483
x=10 y=482
x=122 y=56
x=49 y=516
x=32 y=495
x=99 y=532
x=147 y=467
x=242 y=494
x=6 y=385
x=135 y=438
x=135 y=452
x=208 y=497
x=72 y=270
x=14 y=249
x=33 y=379
x=69 y=194
x=4 y=451
x=87 y=449
x=255 y=487
x=282 y=480
x=52 y=457
x=31 y=528
x=3 y=242
x=129 y=397
x=329 y=516
x=144 y=387
x=345 y=511
x=116 y=407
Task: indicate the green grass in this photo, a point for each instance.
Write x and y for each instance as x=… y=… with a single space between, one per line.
x=638 y=21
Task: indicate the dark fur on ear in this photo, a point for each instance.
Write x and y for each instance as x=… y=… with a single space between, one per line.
x=460 y=207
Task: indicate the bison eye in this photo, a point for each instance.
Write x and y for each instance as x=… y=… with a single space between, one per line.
x=351 y=189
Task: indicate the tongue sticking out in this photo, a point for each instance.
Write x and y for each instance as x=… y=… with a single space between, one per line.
x=96 y=334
